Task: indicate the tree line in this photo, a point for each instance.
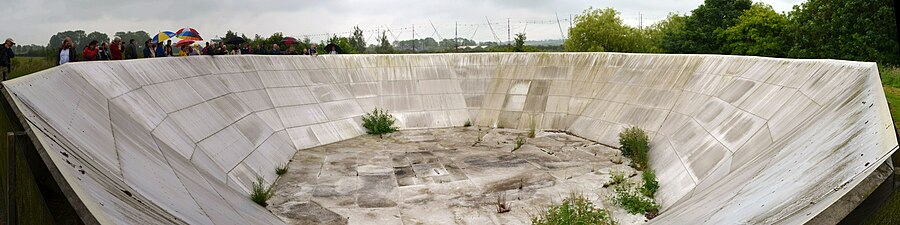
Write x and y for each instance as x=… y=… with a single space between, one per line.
x=861 y=30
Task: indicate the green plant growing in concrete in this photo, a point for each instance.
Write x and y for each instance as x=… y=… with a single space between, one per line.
x=379 y=122
x=519 y=142
x=259 y=193
x=615 y=178
x=281 y=169
x=532 y=128
x=635 y=145
x=634 y=202
x=468 y=123
x=575 y=209
x=650 y=185
x=479 y=137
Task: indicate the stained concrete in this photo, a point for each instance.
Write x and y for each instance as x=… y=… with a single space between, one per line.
x=180 y=140
x=444 y=177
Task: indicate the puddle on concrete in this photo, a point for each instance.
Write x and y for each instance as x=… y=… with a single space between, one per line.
x=437 y=176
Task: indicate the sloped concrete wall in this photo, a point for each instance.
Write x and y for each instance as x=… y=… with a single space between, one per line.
x=735 y=139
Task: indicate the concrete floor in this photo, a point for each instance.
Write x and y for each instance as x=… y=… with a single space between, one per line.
x=438 y=177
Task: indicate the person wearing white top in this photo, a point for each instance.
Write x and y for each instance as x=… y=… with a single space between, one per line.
x=66 y=52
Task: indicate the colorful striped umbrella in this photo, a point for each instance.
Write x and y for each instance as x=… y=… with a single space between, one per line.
x=188 y=33
x=163 y=36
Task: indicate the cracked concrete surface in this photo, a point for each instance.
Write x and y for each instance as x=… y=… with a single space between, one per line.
x=437 y=176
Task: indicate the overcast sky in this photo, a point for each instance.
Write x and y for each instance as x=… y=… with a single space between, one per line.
x=34 y=21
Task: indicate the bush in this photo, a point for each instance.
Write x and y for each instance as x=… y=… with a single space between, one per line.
x=259 y=193
x=379 y=122
x=468 y=123
x=573 y=210
x=650 y=183
x=636 y=145
x=634 y=202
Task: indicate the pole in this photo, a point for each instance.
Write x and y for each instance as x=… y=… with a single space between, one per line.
x=508 y=32
x=414 y=37
x=640 y=21
x=456 y=35
x=558 y=24
x=11 y=178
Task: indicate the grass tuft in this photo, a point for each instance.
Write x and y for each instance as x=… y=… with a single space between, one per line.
x=519 y=142
x=259 y=193
x=636 y=145
x=532 y=128
x=281 y=169
x=615 y=178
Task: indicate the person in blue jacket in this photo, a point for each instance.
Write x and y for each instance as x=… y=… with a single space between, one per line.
x=160 y=51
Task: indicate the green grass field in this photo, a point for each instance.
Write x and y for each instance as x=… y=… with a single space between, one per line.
x=27 y=65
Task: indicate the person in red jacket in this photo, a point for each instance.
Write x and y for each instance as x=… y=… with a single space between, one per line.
x=115 y=49
x=90 y=52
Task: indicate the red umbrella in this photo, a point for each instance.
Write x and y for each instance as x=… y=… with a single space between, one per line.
x=188 y=33
x=182 y=43
x=289 y=40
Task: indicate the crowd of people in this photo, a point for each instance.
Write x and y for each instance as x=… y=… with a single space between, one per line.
x=118 y=50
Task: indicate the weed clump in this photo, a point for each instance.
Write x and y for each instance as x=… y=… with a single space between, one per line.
x=636 y=145
x=575 y=209
x=634 y=202
x=615 y=178
x=650 y=184
x=259 y=193
x=379 y=122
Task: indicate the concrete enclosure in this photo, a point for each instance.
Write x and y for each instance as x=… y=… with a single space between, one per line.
x=179 y=140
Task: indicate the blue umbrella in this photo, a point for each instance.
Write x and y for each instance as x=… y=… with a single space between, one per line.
x=163 y=36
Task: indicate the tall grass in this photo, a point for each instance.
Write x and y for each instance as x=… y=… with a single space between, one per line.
x=636 y=145
x=22 y=66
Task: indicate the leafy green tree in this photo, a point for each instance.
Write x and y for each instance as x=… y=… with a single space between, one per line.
x=421 y=45
x=663 y=32
x=230 y=35
x=78 y=39
x=138 y=36
x=384 y=46
x=344 y=44
x=276 y=38
x=759 y=31
x=863 y=30
x=598 y=30
x=357 y=41
x=519 y=45
x=95 y=36
x=703 y=28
